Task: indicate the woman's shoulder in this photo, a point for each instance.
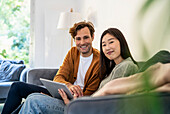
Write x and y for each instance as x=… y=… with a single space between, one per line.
x=127 y=64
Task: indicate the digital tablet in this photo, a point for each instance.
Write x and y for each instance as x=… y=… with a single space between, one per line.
x=53 y=87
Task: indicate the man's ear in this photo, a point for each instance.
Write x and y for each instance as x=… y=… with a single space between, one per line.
x=93 y=37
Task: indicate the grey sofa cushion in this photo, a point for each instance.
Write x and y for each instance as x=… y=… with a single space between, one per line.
x=149 y=103
x=9 y=71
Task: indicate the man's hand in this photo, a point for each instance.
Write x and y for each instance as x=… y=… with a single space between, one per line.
x=64 y=96
x=75 y=90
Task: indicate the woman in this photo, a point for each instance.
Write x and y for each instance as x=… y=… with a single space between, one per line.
x=116 y=61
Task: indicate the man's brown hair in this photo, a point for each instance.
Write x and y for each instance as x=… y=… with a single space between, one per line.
x=77 y=26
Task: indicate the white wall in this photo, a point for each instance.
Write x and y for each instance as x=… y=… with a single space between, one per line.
x=50 y=45
x=115 y=13
x=123 y=14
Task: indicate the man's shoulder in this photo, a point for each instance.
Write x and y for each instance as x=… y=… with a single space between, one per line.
x=96 y=52
x=74 y=50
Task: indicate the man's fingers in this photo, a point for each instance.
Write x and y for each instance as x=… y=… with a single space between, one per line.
x=44 y=93
x=74 y=91
x=77 y=90
x=62 y=93
x=75 y=96
x=64 y=96
x=81 y=92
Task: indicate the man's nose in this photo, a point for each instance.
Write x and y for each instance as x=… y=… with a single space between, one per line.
x=82 y=41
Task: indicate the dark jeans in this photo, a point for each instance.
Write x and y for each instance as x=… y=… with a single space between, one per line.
x=18 y=91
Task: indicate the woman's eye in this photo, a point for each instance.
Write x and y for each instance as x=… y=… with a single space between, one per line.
x=111 y=42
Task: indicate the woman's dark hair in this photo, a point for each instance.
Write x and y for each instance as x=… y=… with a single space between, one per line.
x=107 y=65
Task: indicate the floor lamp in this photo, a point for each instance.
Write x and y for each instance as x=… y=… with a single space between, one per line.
x=67 y=20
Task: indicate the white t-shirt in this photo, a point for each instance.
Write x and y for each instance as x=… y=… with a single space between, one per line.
x=84 y=64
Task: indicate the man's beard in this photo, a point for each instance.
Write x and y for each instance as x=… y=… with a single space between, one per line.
x=88 y=50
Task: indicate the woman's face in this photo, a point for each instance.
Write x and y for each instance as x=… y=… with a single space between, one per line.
x=111 y=48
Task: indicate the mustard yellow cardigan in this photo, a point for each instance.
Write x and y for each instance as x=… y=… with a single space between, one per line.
x=68 y=71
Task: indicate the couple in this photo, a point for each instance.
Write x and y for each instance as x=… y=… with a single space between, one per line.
x=82 y=73
x=80 y=70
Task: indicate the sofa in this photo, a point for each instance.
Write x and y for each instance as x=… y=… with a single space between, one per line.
x=10 y=71
x=150 y=103
x=153 y=103
x=34 y=75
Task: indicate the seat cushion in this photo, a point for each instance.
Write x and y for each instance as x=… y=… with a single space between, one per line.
x=4 y=88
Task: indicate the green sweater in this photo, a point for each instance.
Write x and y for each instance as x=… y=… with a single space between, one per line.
x=123 y=69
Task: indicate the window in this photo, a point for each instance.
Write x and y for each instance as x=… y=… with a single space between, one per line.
x=15 y=29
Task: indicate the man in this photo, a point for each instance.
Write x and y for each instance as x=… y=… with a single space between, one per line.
x=79 y=71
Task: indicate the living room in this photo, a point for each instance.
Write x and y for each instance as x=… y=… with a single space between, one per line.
x=144 y=24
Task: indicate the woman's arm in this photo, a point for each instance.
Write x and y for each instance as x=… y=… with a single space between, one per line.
x=157 y=76
x=120 y=85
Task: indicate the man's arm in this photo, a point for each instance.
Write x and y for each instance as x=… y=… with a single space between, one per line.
x=65 y=69
x=65 y=73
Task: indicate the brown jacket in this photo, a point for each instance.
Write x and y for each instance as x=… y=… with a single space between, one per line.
x=68 y=71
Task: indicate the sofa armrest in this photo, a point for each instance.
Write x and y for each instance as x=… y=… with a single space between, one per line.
x=121 y=104
x=34 y=75
x=23 y=75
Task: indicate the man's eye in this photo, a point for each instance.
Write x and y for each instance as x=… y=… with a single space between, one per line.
x=78 y=38
x=85 y=37
x=104 y=45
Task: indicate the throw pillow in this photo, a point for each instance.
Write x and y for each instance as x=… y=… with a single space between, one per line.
x=12 y=61
x=162 y=56
x=9 y=71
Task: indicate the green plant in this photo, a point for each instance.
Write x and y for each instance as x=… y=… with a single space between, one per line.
x=4 y=53
x=15 y=24
x=159 y=34
x=159 y=26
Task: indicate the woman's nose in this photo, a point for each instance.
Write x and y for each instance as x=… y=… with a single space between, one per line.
x=107 y=47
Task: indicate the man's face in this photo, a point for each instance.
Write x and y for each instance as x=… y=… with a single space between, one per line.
x=83 y=41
